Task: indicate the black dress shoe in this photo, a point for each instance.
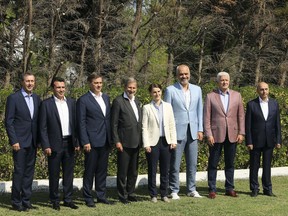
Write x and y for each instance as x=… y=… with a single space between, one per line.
x=91 y=205
x=124 y=201
x=254 y=193
x=29 y=206
x=56 y=206
x=132 y=199
x=105 y=201
x=19 y=208
x=269 y=193
x=70 y=205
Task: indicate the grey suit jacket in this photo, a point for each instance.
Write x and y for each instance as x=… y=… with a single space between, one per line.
x=125 y=127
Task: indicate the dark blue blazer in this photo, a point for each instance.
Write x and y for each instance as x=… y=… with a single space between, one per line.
x=93 y=126
x=20 y=127
x=50 y=125
x=261 y=132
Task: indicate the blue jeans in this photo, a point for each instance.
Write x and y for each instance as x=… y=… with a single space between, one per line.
x=190 y=147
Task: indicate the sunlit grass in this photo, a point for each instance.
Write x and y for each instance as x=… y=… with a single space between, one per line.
x=222 y=205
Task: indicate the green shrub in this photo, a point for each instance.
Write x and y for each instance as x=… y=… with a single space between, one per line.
x=242 y=156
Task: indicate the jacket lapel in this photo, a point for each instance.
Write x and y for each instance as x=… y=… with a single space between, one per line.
x=258 y=106
x=22 y=98
x=129 y=107
x=93 y=100
x=218 y=99
x=54 y=109
x=180 y=93
x=154 y=111
x=69 y=104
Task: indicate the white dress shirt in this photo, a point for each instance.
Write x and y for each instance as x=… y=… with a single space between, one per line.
x=133 y=104
x=63 y=111
x=264 y=108
x=100 y=101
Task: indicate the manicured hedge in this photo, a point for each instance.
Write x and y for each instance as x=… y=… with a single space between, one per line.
x=242 y=157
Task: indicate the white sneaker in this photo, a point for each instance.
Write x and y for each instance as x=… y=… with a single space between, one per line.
x=154 y=199
x=165 y=199
x=175 y=196
x=194 y=194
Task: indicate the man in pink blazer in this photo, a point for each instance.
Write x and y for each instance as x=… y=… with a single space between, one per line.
x=223 y=127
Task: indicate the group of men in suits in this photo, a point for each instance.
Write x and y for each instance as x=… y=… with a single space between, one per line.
x=224 y=126
x=99 y=127
x=52 y=123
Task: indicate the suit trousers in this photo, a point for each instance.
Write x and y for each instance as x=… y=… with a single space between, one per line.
x=255 y=156
x=162 y=153
x=214 y=157
x=190 y=148
x=96 y=165
x=127 y=171
x=24 y=166
x=64 y=158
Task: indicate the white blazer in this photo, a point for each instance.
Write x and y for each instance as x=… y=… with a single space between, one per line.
x=151 y=128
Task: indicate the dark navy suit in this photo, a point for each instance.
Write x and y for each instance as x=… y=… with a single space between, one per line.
x=94 y=129
x=263 y=135
x=22 y=129
x=62 y=149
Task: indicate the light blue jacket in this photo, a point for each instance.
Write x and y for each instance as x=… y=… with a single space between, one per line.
x=183 y=116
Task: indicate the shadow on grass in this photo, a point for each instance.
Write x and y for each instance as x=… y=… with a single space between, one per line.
x=41 y=198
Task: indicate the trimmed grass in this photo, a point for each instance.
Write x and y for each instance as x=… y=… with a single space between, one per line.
x=222 y=205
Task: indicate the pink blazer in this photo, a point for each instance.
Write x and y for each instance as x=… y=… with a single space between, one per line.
x=217 y=122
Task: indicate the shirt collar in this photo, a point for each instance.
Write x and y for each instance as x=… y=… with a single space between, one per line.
x=153 y=102
x=94 y=95
x=126 y=96
x=262 y=101
x=58 y=100
x=222 y=93
x=24 y=93
x=182 y=86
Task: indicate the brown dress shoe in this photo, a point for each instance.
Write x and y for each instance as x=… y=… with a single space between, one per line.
x=212 y=195
x=231 y=193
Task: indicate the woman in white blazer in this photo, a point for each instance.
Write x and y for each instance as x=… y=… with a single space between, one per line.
x=159 y=139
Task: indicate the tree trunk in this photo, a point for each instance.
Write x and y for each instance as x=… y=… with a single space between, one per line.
x=283 y=70
x=201 y=60
x=82 y=62
x=134 y=38
x=98 y=15
x=26 y=43
x=170 y=68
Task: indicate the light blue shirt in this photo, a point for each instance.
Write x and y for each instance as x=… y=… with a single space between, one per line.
x=29 y=102
x=225 y=97
x=159 y=110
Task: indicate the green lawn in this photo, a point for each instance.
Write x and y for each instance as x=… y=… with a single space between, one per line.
x=222 y=205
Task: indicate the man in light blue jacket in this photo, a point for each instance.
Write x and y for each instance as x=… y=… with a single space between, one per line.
x=186 y=100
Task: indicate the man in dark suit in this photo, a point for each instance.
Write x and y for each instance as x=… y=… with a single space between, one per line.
x=58 y=139
x=21 y=117
x=263 y=133
x=93 y=116
x=126 y=123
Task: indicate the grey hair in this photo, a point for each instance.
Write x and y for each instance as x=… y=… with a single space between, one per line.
x=129 y=80
x=222 y=73
x=181 y=65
